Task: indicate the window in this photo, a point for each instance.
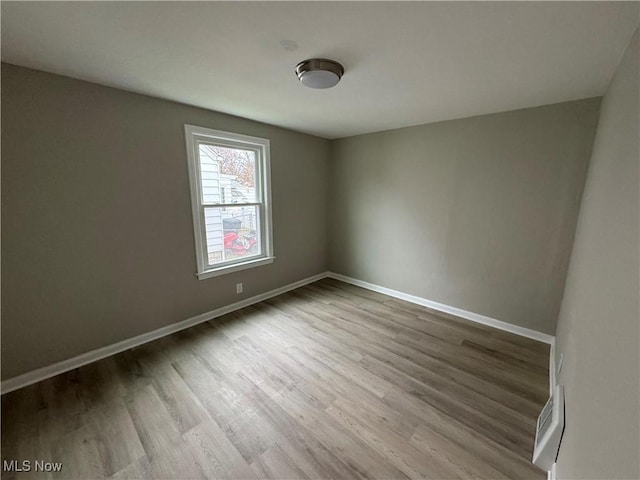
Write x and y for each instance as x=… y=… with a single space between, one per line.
x=230 y=198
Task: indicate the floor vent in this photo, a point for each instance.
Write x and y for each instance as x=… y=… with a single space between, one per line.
x=549 y=430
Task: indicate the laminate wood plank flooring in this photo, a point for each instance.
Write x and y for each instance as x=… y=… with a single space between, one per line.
x=327 y=381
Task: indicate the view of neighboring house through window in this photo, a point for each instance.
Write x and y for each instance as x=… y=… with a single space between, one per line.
x=229 y=176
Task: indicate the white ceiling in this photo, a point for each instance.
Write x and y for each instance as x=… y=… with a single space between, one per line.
x=405 y=63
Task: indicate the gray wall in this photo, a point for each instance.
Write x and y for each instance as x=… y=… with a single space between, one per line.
x=599 y=324
x=97 y=236
x=477 y=213
x=97 y=239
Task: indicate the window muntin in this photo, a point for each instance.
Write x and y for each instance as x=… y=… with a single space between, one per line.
x=229 y=176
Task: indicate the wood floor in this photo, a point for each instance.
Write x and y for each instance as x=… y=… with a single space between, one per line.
x=327 y=381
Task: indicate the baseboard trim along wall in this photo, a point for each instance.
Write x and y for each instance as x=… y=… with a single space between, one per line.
x=552 y=369
x=103 y=352
x=94 y=355
x=441 y=307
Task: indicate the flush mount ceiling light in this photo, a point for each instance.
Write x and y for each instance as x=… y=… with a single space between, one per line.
x=319 y=72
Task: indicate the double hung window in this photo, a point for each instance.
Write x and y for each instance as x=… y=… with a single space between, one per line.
x=230 y=198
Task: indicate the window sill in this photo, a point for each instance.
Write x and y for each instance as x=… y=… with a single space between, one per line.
x=235 y=268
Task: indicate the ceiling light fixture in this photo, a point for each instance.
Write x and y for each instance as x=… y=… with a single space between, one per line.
x=319 y=72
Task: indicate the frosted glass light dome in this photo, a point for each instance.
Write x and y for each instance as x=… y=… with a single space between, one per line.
x=319 y=72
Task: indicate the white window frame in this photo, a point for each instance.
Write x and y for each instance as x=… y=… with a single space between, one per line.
x=194 y=136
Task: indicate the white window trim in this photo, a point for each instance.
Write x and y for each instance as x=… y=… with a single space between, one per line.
x=192 y=132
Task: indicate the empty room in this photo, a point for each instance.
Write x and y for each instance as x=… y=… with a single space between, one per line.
x=320 y=240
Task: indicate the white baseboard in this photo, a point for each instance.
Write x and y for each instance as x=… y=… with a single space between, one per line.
x=552 y=369
x=103 y=352
x=441 y=307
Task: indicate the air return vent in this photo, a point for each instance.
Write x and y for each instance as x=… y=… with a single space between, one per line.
x=549 y=430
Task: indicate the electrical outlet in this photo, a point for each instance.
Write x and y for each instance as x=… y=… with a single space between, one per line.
x=238 y=287
x=560 y=362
